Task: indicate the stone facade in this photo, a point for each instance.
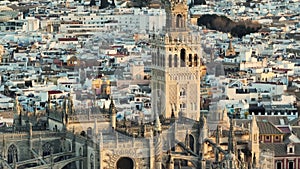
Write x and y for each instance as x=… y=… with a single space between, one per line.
x=176 y=65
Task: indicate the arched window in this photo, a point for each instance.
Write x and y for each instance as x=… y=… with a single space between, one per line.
x=170 y=61
x=278 y=165
x=191 y=142
x=47 y=149
x=179 y=21
x=195 y=60
x=291 y=165
x=175 y=60
x=12 y=154
x=92 y=161
x=190 y=60
x=182 y=106
x=182 y=58
x=182 y=92
x=89 y=132
x=163 y=60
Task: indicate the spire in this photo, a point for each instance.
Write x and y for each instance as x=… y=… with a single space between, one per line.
x=230 y=137
x=157 y=128
x=253 y=122
x=95 y=126
x=230 y=51
x=112 y=108
x=113 y=113
x=230 y=47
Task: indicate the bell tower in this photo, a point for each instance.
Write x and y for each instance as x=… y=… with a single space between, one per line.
x=176 y=65
x=177 y=14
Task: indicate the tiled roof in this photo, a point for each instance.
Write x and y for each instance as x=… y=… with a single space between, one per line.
x=275 y=120
x=267 y=128
x=284 y=130
x=280 y=149
x=296 y=130
x=295 y=122
x=54 y=92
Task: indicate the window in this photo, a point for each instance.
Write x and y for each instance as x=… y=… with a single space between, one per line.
x=89 y=131
x=190 y=60
x=92 y=161
x=291 y=165
x=267 y=137
x=175 y=60
x=278 y=165
x=182 y=92
x=291 y=150
x=195 y=60
x=182 y=58
x=12 y=154
x=170 y=60
x=183 y=106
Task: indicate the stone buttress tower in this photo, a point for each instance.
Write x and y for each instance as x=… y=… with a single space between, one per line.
x=254 y=143
x=175 y=80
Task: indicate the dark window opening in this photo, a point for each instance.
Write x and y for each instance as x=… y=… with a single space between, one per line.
x=278 y=165
x=125 y=163
x=291 y=165
x=170 y=60
x=182 y=58
x=12 y=154
x=179 y=21
x=190 y=60
x=290 y=150
x=195 y=60
x=175 y=60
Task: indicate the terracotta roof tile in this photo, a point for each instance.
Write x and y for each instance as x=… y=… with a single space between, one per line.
x=267 y=128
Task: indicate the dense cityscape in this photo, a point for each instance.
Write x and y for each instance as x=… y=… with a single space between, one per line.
x=149 y=84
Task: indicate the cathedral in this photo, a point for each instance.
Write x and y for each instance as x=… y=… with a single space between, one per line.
x=100 y=141
x=179 y=137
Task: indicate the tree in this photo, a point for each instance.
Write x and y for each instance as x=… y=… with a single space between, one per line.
x=104 y=4
x=199 y=2
x=92 y=3
x=113 y=3
x=224 y=24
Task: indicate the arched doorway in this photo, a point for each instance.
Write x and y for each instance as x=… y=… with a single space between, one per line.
x=12 y=154
x=125 y=163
